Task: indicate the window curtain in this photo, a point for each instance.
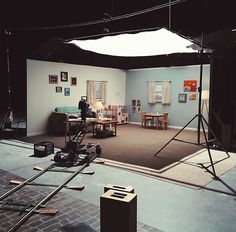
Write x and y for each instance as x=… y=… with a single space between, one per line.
x=151 y=92
x=90 y=92
x=91 y=98
x=104 y=92
x=166 y=98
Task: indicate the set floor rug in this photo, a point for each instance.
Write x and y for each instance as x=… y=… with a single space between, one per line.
x=194 y=170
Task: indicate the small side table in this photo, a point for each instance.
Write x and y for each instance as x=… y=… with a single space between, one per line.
x=104 y=128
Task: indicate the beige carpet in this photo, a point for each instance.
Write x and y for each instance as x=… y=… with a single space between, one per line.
x=134 y=147
x=193 y=171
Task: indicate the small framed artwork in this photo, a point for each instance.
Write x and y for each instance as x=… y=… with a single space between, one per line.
x=67 y=91
x=73 y=81
x=53 y=79
x=138 y=102
x=84 y=98
x=58 y=89
x=192 y=96
x=182 y=97
x=134 y=104
x=190 y=85
x=64 y=76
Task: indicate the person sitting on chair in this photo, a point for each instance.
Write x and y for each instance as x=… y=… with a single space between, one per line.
x=83 y=106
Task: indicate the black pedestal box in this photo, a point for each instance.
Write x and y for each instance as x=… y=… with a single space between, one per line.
x=43 y=148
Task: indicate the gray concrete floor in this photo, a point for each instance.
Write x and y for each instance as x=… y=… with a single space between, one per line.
x=165 y=206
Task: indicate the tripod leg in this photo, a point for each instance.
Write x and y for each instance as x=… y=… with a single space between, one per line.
x=176 y=135
x=208 y=148
x=218 y=141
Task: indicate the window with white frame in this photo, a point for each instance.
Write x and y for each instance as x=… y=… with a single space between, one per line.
x=158 y=91
x=98 y=90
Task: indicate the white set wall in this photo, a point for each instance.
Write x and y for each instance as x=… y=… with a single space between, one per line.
x=42 y=98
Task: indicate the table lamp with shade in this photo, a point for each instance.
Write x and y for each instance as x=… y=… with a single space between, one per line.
x=98 y=106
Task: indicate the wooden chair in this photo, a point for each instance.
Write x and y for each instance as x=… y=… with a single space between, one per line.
x=162 y=122
x=148 y=119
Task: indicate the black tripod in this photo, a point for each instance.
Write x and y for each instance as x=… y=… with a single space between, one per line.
x=201 y=120
x=8 y=118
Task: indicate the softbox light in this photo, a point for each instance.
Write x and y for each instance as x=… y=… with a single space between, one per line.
x=147 y=43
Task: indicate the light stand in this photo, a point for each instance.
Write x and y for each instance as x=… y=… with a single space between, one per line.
x=201 y=121
x=8 y=118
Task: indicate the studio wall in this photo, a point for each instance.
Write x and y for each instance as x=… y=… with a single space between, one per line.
x=123 y=87
x=179 y=113
x=42 y=97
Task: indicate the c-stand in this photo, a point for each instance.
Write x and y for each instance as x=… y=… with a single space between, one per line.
x=201 y=120
x=5 y=124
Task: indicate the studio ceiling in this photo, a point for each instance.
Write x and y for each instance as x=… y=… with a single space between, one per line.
x=37 y=29
x=71 y=19
x=32 y=22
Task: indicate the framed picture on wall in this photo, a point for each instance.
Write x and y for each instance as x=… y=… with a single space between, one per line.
x=73 y=81
x=67 y=91
x=182 y=97
x=53 y=79
x=138 y=102
x=64 y=76
x=134 y=104
x=190 y=85
x=192 y=96
x=58 y=89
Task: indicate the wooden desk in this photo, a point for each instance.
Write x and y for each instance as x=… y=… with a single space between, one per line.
x=153 y=116
x=104 y=131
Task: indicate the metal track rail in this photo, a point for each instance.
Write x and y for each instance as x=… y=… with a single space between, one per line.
x=25 y=182
x=37 y=206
